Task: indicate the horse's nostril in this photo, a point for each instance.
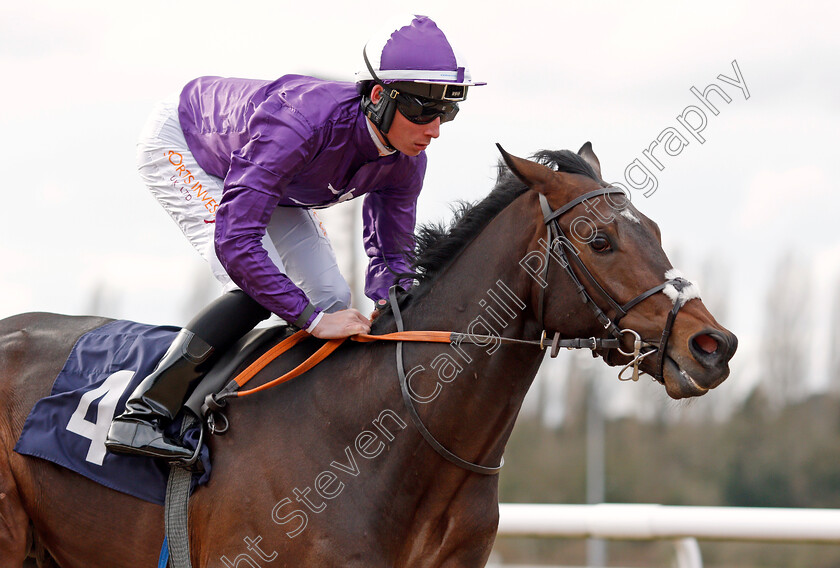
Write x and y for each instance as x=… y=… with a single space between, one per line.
x=706 y=343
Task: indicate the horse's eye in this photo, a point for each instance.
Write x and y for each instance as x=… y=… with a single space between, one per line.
x=600 y=244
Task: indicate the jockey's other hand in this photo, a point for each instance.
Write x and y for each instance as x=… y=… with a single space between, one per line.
x=380 y=305
x=341 y=324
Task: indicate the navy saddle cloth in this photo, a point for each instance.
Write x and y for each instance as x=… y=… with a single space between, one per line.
x=69 y=426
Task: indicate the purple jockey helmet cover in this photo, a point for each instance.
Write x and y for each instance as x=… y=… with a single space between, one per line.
x=415 y=49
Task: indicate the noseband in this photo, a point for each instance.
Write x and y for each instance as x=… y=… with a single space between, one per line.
x=558 y=242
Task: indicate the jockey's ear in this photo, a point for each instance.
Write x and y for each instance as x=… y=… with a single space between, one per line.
x=588 y=154
x=534 y=175
x=375 y=93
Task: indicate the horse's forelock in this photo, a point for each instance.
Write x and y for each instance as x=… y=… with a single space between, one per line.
x=566 y=161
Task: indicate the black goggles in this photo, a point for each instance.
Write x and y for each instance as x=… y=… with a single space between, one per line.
x=420 y=110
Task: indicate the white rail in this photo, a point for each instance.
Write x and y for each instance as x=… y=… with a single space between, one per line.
x=653 y=522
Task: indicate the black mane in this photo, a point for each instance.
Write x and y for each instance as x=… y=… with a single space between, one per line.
x=437 y=244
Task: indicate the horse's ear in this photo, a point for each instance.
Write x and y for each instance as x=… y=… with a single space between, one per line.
x=588 y=154
x=530 y=173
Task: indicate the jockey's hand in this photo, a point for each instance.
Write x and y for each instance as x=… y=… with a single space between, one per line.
x=341 y=324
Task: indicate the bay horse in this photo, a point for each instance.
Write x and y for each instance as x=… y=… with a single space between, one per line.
x=328 y=469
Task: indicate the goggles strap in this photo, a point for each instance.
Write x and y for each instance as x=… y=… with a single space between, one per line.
x=370 y=68
x=382 y=120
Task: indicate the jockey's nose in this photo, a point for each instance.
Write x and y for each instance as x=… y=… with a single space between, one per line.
x=433 y=128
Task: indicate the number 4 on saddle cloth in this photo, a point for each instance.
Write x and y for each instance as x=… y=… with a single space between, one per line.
x=69 y=426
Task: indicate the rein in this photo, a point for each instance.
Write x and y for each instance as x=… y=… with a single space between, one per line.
x=231 y=390
x=557 y=240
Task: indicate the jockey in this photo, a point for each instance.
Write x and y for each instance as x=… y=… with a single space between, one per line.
x=239 y=165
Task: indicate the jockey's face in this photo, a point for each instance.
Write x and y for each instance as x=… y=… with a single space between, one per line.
x=410 y=138
x=406 y=136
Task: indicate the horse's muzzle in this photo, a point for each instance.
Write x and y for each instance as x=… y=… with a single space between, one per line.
x=705 y=367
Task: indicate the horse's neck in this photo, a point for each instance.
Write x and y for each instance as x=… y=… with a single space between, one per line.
x=481 y=387
x=480 y=393
x=472 y=393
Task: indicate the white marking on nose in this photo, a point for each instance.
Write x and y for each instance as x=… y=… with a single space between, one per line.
x=688 y=292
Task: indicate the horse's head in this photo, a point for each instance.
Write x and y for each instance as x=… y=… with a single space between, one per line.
x=590 y=236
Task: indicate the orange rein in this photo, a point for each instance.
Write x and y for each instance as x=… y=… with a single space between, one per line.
x=322 y=353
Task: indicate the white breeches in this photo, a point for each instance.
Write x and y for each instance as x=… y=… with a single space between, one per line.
x=295 y=239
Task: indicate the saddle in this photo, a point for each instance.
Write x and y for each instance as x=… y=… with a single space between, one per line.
x=230 y=363
x=68 y=427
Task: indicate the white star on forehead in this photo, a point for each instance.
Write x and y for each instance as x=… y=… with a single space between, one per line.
x=629 y=215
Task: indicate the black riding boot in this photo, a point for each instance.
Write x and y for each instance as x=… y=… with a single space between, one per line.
x=156 y=401
x=139 y=430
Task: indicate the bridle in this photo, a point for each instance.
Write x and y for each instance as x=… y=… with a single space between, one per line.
x=641 y=349
x=558 y=242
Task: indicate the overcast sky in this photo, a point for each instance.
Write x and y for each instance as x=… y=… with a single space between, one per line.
x=79 y=79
